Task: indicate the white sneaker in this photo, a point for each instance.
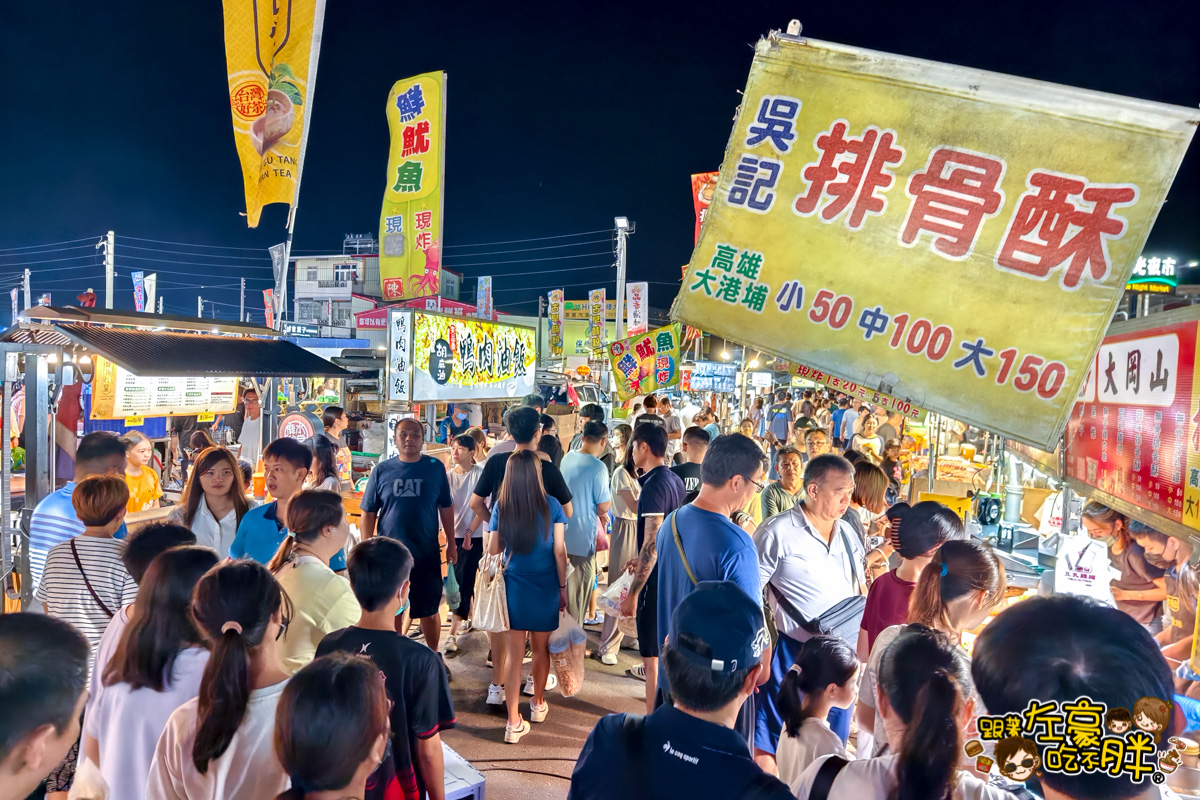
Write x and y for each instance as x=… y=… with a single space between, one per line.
x=451 y=645
x=551 y=683
x=495 y=695
x=609 y=659
x=538 y=714
x=513 y=735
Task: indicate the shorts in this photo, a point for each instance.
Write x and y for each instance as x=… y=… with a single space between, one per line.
x=425 y=589
x=647 y=619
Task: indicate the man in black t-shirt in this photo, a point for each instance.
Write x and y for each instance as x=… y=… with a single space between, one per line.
x=421 y=708
x=408 y=496
x=662 y=492
x=695 y=445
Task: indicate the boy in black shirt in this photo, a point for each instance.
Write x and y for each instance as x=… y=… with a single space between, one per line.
x=695 y=445
x=416 y=685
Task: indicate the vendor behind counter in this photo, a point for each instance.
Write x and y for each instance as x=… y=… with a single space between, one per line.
x=1140 y=589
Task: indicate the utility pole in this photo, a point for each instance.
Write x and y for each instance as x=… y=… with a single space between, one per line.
x=623 y=228
x=242 y=306
x=109 y=269
x=28 y=293
x=199 y=306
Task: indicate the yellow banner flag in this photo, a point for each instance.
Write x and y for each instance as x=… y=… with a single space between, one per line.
x=410 y=225
x=271 y=49
x=954 y=238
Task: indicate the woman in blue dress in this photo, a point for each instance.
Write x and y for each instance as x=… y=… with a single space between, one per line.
x=527 y=527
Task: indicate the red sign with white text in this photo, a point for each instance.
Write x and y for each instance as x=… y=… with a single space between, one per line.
x=1131 y=432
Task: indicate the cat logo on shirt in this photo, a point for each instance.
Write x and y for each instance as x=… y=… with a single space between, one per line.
x=407 y=487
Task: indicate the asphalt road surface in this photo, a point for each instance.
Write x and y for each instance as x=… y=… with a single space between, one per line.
x=547 y=753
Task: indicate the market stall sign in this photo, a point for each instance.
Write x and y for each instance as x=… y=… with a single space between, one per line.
x=646 y=362
x=439 y=357
x=1134 y=434
x=901 y=407
x=119 y=394
x=1153 y=275
x=901 y=222
x=713 y=376
x=300 y=425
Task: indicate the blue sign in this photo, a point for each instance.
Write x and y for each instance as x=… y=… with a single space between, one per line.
x=714 y=376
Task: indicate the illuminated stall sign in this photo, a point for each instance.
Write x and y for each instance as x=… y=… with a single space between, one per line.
x=118 y=394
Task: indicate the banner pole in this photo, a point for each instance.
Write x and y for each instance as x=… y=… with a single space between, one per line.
x=318 y=27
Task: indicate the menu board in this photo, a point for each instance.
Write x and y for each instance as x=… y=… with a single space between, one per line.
x=118 y=394
x=713 y=376
x=901 y=407
x=1134 y=433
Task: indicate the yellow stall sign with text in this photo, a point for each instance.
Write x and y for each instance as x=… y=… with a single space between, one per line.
x=954 y=238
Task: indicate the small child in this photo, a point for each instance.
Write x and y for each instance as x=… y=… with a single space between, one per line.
x=144 y=488
x=825 y=676
x=891 y=467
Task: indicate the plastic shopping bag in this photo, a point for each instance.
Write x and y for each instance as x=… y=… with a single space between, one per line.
x=453 y=591
x=489 y=610
x=567 y=647
x=611 y=598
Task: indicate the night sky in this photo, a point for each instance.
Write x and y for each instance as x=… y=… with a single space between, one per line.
x=560 y=117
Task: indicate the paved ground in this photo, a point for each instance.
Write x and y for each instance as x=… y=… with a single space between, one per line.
x=479 y=735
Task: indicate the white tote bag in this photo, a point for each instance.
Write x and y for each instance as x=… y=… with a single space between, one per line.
x=489 y=608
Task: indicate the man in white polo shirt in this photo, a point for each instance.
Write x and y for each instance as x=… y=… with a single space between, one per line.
x=811 y=560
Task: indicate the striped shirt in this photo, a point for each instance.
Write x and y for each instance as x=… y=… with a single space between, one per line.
x=64 y=594
x=53 y=522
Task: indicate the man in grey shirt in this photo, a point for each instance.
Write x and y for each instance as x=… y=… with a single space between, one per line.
x=674 y=426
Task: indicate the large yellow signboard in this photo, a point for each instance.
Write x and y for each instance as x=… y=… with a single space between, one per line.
x=955 y=238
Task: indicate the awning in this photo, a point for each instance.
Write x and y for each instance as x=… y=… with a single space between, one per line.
x=169 y=354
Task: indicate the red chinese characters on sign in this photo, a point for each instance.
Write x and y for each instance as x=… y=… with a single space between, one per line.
x=951 y=198
x=1129 y=432
x=423 y=220
x=1064 y=222
x=850 y=171
x=415 y=139
x=393 y=287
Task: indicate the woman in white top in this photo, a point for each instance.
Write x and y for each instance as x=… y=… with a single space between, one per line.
x=214 y=501
x=331 y=728
x=156 y=669
x=925 y=701
x=824 y=676
x=220 y=745
x=324 y=601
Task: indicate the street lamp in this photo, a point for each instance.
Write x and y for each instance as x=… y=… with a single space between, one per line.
x=725 y=355
x=622 y=223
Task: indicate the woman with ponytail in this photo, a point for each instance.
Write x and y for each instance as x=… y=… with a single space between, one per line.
x=925 y=700
x=331 y=730
x=324 y=600
x=219 y=745
x=825 y=676
x=157 y=667
x=956 y=592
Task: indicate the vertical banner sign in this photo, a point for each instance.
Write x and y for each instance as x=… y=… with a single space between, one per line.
x=139 y=291
x=410 y=225
x=13 y=295
x=557 y=307
x=596 y=318
x=279 y=265
x=269 y=304
x=636 y=295
x=1134 y=435
x=271 y=49
x=483 y=297
x=150 y=284
x=983 y=197
x=703 y=186
x=645 y=363
x=399 y=366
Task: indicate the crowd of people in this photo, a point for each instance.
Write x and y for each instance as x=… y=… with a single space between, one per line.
x=800 y=630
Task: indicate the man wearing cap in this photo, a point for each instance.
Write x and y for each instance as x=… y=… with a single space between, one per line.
x=714 y=659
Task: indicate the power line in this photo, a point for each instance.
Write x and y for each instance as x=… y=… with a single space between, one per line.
x=43 y=252
x=189 y=274
x=51 y=244
x=208 y=246
x=531 y=249
x=593 y=284
x=534 y=239
x=184 y=252
x=527 y=260
x=539 y=272
x=192 y=263
x=44 y=261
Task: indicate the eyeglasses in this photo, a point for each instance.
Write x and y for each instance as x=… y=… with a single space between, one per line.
x=758 y=485
x=1026 y=763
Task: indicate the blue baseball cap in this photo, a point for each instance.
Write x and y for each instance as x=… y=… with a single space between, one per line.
x=724 y=618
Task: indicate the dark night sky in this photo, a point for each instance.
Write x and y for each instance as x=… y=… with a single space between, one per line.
x=115 y=116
